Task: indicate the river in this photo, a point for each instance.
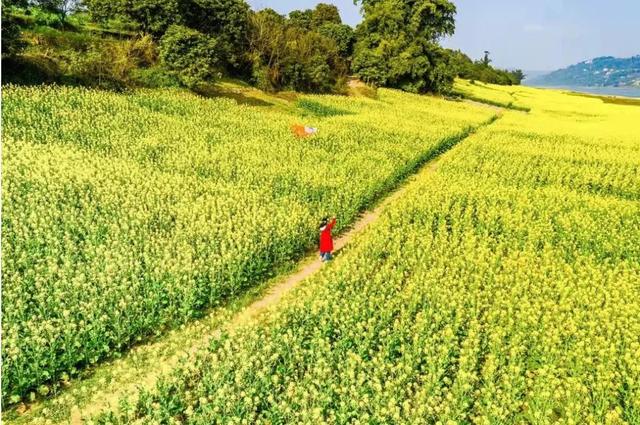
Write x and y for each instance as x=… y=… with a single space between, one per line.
x=605 y=91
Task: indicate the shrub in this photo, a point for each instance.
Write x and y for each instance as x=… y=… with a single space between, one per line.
x=285 y=56
x=342 y=34
x=192 y=55
x=143 y=50
x=108 y=63
x=11 y=41
x=50 y=38
x=154 y=77
x=47 y=18
x=100 y=65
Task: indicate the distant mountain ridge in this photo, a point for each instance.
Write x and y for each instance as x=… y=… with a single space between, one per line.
x=531 y=75
x=605 y=71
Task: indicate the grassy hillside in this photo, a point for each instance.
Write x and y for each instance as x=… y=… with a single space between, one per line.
x=76 y=51
x=501 y=289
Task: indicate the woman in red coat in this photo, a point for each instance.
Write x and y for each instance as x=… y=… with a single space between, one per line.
x=326 y=242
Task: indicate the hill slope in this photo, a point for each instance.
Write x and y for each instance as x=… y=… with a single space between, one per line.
x=602 y=71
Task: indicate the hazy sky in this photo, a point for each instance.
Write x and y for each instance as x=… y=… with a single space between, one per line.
x=527 y=34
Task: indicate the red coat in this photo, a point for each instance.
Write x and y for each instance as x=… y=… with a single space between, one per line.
x=326 y=243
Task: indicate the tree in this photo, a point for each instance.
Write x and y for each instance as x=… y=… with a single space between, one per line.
x=153 y=16
x=517 y=76
x=311 y=20
x=485 y=60
x=227 y=20
x=103 y=10
x=397 y=44
x=266 y=47
x=466 y=68
x=60 y=7
x=301 y=18
x=284 y=55
x=325 y=14
x=343 y=36
x=192 y=55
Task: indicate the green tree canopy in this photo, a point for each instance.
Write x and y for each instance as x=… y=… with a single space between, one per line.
x=397 y=44
x=325 y=14
x=466 y=68
x=313 y=19
x=153 y=16
x=342 y=34
x=284 y=55
x=192 y=55
x=226 y=20
x=301 y=18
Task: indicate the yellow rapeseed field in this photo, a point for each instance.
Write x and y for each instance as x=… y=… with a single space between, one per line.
x=126 y=214
x=502 y=289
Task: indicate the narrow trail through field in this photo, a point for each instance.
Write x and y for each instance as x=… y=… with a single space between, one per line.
x=145 y=364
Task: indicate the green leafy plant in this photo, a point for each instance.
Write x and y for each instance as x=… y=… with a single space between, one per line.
x=192 y=55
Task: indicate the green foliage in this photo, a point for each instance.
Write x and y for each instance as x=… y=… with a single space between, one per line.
x=48 y=37
x=11 y=42
x=397 y=44
x=312 y=19
x=517 y=76
x=369 y=66
x=318 y=109
x=325 y=14
x=154 y=77
x=481 y=70
x=153 y=16
x=342 y=34
x=301 y=18
x=310 y=50
x=57 y=10
x=485 y=59
x=103 y=10
x=224 y=20
x=111 y=64
x=80 y=58
x=192 y=55
x=47 y=18
x=285 y=56
x=9 y=5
